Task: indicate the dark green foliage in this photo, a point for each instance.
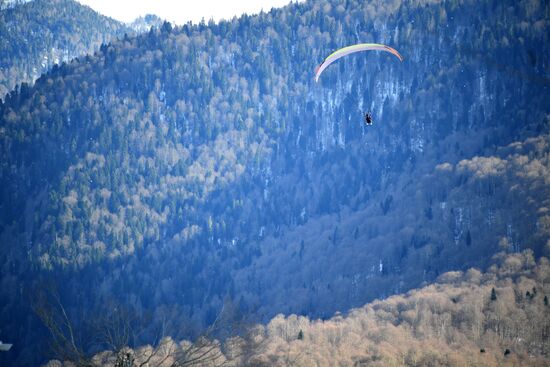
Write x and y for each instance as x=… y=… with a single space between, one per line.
x=493 y=294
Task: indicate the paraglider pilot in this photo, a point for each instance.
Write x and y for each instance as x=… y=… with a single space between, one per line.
x=368 y=118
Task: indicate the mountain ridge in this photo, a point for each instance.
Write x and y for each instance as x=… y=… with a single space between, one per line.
x=36 y=35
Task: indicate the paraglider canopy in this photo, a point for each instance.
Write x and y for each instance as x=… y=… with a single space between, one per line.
x=352 y=49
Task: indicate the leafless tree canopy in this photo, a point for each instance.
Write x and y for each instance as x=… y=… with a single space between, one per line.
x=497 y=318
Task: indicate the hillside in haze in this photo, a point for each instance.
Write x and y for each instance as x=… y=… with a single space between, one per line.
x=38 y=34
x=176 y=170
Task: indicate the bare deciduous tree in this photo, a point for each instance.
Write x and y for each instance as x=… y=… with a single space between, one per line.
x=120 y=329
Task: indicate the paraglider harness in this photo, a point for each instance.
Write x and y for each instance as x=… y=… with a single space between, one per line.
x=368 y=118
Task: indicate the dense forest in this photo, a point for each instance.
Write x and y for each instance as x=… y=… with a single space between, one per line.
x=191 y=165
x=38 y=34
x=497 y=318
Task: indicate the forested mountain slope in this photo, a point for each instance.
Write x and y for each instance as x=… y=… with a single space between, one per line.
x=424 y=224
x=185 y=166
x=38 y=34
x=497 y=318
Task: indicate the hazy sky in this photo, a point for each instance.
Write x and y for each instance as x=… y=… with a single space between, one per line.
x=181 y=11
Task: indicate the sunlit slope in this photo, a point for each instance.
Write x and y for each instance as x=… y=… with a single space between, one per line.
x=497 y=318
x=494 y=318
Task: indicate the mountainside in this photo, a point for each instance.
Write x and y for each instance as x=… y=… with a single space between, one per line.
x=452 y=215
x=38 y=34
x=4 y=4
x=497 y=318
x=185 y=166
